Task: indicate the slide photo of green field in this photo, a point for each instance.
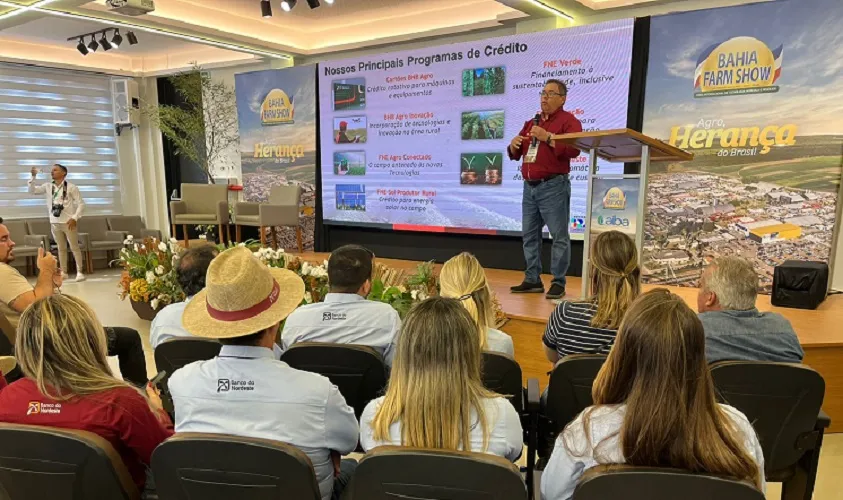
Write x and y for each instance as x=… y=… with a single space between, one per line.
x=481 y=169
x=483 y=81
x=350 y=163
x=482 y=125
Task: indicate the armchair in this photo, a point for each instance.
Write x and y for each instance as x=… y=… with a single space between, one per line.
x=134 y=225
x=27 y=244
x=282 y=210
x=200 y=204
x=94 y=234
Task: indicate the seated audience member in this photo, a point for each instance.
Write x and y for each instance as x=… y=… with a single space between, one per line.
x=7 y=364
x=346 y=316
x=61 y=350
x=654 y=406
x=17 y=294
x=734 y=329
x=590 y=327
x=190 y=272
x=463 y=278
x=245 y=391
x=435 y=397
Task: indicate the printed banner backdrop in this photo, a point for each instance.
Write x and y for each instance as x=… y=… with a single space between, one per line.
x=754 y=92
x=416 y=140
x=276 y=110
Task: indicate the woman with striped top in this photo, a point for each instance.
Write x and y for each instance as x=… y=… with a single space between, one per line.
x=590 y=327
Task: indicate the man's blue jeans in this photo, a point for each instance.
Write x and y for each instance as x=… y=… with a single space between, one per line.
x=547 y=203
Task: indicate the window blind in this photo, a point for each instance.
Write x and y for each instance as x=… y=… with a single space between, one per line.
x=56 y=116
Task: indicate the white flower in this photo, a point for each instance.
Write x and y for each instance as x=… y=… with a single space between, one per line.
x=150 y=277
x=130 y=237
x=173 y=241
x=305 y=269
x=162 y=246
x=154 y=303
x=241 y=245
x=127 y=241
x=136 y=247
x=325 y=264
x=203 y=236
x=318 y=272
x=414 y=294
x=422 y=295
x=307 y=298
x=159 y=270
x=143 y=247
x=402 y=288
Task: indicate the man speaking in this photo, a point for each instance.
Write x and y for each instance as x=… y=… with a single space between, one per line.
x=547 y=188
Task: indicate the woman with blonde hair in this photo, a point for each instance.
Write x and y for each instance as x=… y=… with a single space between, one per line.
x=654 y=406
x=463 y=278
x=435 y=397
x=61 y=350
x=590 y=327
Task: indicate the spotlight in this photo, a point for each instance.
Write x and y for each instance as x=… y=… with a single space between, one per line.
x=287 y=5
x=133 y=40
x=106 y=45
x=93 y=45
x=266 y=8
x=313 y=3
x=117 y=39
x=81 y=47
x=329 y=2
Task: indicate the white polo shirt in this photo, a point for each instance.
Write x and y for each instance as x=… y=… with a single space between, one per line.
x=167 y=324
x=66 y=193
x=345 y=318
x=246 y=392
x=506 y=437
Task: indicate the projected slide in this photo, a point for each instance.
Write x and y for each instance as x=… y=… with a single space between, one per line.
x=416 y=140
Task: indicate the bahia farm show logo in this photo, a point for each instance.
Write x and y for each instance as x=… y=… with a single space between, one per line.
x=277 y=108
x=740 y=65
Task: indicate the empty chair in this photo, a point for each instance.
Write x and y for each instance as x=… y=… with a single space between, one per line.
x=222 y=467
x=45 y=462
x=646 y=483
x=783 y=401
x=568 y=394
x=205 y=204
x=94 y=235
x=391 y=472
x=132 y=224
x=357 y=371
x=41 y=229
x=281 y=210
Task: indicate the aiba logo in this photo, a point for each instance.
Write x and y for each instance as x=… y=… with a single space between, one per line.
x=277 y=108
x=613 y=221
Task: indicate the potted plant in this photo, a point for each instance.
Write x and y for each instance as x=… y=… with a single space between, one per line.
x=149 y=278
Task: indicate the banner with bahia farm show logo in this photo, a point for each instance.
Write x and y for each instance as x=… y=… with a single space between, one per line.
x=754 y=92
x=276 y=110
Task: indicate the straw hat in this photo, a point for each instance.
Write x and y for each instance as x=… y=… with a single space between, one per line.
x=7 y=364
x=242 y=296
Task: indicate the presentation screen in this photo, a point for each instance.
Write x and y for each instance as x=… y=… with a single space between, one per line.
x=417 y=140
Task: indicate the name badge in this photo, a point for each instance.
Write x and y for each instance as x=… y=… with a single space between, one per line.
x=530 y=157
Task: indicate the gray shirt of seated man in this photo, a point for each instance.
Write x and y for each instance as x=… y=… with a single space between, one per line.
x=734 y=329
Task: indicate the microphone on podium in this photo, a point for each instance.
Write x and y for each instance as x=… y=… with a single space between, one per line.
x=536 y=121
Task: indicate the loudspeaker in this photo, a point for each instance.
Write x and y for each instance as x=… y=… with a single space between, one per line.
x=800 y=284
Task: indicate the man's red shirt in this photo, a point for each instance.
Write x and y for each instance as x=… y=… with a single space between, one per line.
x=121 y=416
x=549 y=160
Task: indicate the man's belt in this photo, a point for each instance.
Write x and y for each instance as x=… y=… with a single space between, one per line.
x=536 y=182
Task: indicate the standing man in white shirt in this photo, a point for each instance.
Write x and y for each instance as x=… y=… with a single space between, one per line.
x=65 y=206
x=245 y=391
x=346 y=316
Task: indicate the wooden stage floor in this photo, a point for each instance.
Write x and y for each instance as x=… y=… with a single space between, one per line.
x=820 y=332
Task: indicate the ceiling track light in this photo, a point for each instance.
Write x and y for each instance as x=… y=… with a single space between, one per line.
x=133 y=40
x=117 y=39
x=93 y=45
x=287 y=5
x=104 y=43
x=266 y=8
x=81 y=47
x=329 y=2
x=313 y=3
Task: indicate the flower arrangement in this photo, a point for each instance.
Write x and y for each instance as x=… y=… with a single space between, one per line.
x=148 y=272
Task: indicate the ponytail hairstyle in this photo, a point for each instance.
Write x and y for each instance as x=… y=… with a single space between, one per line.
x=615 y=282
x=464 y=279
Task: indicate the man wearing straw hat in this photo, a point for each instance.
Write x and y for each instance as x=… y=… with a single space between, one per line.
x=245 y=391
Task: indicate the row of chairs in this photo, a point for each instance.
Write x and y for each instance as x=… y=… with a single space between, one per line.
x=96 y=233
x=783 y=401
x=42 y=462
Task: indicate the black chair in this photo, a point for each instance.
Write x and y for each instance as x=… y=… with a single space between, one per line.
x=178 y=352
x=45 y=462
x=502 y=374
x=623 y=481
x=6 y=334
x=357 y=371
x=568 y=394
x=190 y=466
x=783 y=401
x=392 y=472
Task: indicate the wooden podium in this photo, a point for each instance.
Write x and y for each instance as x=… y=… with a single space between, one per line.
x=615 y=190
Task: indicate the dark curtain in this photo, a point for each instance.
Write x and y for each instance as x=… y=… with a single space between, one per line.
x=638 y=81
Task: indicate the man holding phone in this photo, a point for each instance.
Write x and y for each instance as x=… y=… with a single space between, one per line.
x=65 y=206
